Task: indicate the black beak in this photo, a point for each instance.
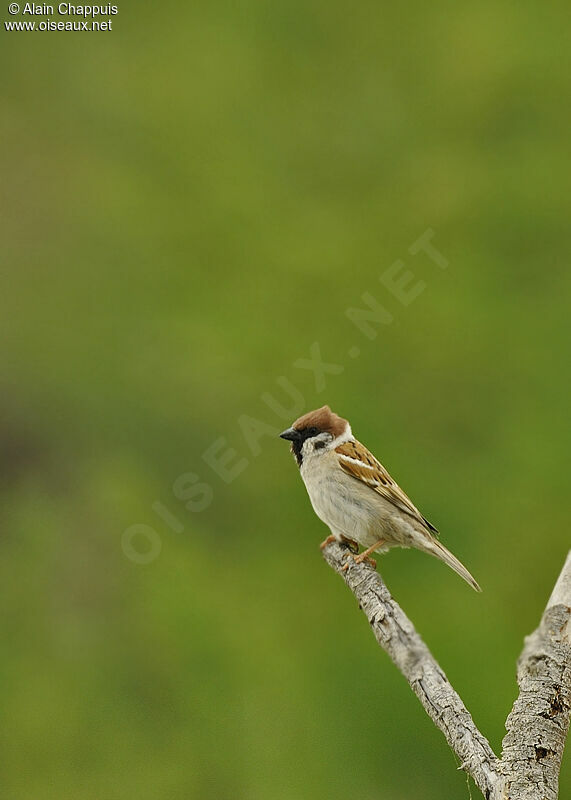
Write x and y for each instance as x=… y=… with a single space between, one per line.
x=291 y=434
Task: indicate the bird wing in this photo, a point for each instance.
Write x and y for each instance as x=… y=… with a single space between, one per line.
x=360 y=463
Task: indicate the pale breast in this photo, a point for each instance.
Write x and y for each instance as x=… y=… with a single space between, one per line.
x=352 y=509
x=342 y=506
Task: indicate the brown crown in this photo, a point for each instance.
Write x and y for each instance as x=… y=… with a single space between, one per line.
x=323 y=419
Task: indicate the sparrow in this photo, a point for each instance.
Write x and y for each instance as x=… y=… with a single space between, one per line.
x=354 y=495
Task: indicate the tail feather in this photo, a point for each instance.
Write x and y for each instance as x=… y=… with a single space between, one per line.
x=437 y=549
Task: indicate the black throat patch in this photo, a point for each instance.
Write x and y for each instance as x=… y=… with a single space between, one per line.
x=296 y=450
x=297 y=444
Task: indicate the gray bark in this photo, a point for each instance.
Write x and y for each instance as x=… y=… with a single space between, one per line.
x=539 y=720
x=538 y=723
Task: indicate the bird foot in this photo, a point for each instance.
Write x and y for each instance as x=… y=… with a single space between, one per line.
x=364 y=556
x=359 y=560
x=327 y=541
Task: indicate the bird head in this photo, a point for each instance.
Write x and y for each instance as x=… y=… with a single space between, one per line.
x=316 y=432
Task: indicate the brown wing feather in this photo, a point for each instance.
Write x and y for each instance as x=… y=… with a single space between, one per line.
x=371 y=472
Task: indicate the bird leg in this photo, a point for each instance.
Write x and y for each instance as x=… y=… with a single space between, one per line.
x=368 y=551
x=364 y=556
x=327 y=541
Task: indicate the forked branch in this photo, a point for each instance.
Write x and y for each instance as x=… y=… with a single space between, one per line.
x=538 y=723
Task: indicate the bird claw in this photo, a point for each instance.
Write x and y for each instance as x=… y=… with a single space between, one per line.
x=327 y=541
x=363 y=558
x=360 y=560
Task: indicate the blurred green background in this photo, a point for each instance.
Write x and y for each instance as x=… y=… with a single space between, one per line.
x=189 y=202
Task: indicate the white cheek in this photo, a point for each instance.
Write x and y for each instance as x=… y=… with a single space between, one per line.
x=313 y=447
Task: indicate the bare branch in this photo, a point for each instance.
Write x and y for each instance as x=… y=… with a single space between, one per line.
x=397 y=636
x=538 y=723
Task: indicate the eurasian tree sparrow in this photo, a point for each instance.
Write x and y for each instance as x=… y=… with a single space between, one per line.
x=354 y=494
